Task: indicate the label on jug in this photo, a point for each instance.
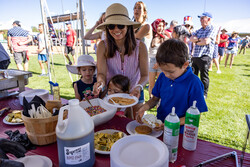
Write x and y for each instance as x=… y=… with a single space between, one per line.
x=77 y=155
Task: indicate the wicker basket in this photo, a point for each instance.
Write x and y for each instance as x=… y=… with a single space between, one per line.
x=41 y=131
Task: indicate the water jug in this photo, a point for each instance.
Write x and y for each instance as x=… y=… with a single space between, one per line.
x=75 y=137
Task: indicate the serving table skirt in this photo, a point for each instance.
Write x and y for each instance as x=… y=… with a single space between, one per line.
x=205 y=150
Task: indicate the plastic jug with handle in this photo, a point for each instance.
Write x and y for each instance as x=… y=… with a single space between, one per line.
x=75 y=136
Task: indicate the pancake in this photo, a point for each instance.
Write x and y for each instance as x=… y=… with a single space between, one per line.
x=122 y=100
x=143 y=129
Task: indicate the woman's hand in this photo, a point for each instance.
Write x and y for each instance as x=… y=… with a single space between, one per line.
x=97 y=88
x=136 y=92
x=156 y=66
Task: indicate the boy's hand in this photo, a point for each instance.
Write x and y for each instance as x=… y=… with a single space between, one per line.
x=139 y=115
x=136 y=92
x=158 y=128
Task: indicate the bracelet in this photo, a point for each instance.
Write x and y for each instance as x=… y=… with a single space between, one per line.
x=140 y=85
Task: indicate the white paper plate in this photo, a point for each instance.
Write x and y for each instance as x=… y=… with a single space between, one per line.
x=139 y=151
x=35 y=161
x=30 y=94
x=133 y=124
x=10 y=123
x=109 y=131
x=125 y=95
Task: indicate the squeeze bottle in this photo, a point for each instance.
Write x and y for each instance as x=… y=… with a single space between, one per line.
x=190 y=134
x=171 y=134
x=56 y=90
x=75 y=137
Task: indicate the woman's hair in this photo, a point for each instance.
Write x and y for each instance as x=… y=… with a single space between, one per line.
x=172 y=51
x=130 y=42
x=181 y=32
x=121 y=81
x=144 y=9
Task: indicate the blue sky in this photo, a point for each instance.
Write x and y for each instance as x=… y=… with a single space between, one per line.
x=232 y=14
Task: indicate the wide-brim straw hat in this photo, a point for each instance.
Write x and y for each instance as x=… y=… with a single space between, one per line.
x=234 y=32
x=117 y=14
x=83 y=60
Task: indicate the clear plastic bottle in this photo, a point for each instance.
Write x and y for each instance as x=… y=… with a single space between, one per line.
x=171 y=134
x=190 y=134
x=75 y=137
x=56 y=90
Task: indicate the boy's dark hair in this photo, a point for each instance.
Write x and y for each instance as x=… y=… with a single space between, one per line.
x=121 y=81
x=172 y=51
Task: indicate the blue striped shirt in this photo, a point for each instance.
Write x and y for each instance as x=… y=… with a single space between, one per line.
x=208 y=32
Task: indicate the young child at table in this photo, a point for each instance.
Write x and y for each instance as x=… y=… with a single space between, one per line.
x=119 y=84
x=84 y=86
x=176 y=86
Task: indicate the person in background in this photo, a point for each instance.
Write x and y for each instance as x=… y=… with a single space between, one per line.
x=144 y=32
x=158 y=27
x=121 y=53
x=215 y=54
x=176 y=86
x=204 y=38
x=42 y=54
x=188 y=23
x=232 y=48
x=244 y=45
x=84 y=86
x=18 y=39
x=71 y=43
x=98 y=35
x=180 y=32
x=4 y=58
x=222 y=44
x=169 y=31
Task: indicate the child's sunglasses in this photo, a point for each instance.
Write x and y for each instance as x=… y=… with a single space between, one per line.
x=112 y=26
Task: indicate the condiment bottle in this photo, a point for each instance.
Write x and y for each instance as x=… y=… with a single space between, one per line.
x=190 y=134
x=171 y=134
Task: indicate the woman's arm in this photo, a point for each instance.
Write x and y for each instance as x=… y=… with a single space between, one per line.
x=90 y=35
x=143 y=65
x=144 y=30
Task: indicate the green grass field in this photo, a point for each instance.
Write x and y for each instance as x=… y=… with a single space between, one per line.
x=228 y=98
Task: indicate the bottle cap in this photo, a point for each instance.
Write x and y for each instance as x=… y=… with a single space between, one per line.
x=173 y=111
x=73 y=102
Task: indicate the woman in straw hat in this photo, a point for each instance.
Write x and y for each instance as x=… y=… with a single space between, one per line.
x=121 y=53
x=232 y=48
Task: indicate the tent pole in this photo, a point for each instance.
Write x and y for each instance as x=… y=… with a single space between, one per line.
x=45 y=28
x=82 y=26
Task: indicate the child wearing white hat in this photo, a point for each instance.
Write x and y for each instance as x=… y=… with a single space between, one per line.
x=86 y=68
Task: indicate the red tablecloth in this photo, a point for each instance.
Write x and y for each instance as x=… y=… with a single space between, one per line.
x=205 y=150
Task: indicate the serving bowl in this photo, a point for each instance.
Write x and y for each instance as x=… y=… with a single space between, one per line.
x=102 y=117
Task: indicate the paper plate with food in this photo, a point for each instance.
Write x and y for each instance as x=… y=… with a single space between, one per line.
x=121 y=100
x=14 y=118
x=135 y=127
x=104 y=140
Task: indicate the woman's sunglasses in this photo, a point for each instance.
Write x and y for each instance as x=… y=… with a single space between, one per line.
x=112 y=26
x=187 y=25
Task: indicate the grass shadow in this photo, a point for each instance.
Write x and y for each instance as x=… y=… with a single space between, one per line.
x=244 y=65
x=245 y=75
x=59 y=64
